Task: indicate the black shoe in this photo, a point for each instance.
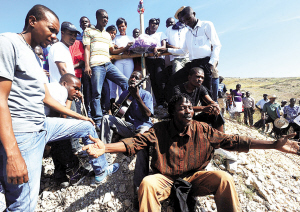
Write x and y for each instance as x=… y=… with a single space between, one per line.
x=80 y=175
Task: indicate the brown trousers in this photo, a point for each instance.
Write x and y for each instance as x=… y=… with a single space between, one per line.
x=157 y=187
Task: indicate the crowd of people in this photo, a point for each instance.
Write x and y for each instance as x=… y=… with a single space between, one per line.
x=43 y=96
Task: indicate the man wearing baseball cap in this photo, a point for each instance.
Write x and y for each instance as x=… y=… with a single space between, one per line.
x=60 y=60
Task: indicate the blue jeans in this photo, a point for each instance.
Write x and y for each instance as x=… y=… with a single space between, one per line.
x=215 y=88
x=99 y=73
x=24 y=197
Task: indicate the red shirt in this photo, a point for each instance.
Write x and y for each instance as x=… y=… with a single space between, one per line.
x=77 y=53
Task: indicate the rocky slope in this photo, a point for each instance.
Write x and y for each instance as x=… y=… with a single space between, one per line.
x=266 y=180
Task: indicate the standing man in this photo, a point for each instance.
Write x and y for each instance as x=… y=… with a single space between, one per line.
x=260 y=104
x=203 y=45
x=183 y=148
x=249 y=108
x=24 y=130
x=97 y=46
x=176 y=39
x=60 y=60
x=290 y=112
x=84 y=23
x=222 y=95
x=272 y=109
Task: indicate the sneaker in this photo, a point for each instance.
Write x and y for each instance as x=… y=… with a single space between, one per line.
x=109 y=171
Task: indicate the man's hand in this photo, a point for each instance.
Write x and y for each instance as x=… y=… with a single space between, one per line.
x=283 y=144
x=79 y=96
x=208 y=109
x=87 y=119
x=216 y=109
x=88 y=71
x=46 y=73
x=95 y=150
x=16 y=170
x=134 y=91
x=129 y=44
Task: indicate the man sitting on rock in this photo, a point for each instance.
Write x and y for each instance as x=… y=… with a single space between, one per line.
x=291 y=111
x=210 y=111
x=182 y=148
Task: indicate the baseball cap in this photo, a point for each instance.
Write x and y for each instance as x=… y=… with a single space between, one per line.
x=69 y=26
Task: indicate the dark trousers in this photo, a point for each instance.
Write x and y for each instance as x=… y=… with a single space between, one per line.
x=158 y=77
x=248 y=114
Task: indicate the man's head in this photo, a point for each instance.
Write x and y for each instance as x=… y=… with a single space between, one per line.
x=153 y=25
x=221 y=79
x=188 y=16
x=43 y=24
x=122 y=25
x=102 y=17
x=39 y=52
x=248 y=94
x=134 y=78
x=283 y=103
x=238 y=87
x=196 y=77
x=72 y=84
x=84 y=22
x=170 y=22
x=112 y=30
x=265 y=96
x=181 y=109
x=272 y=98
x=292 y=102
x=68 y=33
x=135 y=33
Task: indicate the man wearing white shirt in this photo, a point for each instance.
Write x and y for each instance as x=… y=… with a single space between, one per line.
x=202 y=43
x=261 y=102
x=176 y=39
x=60 y=60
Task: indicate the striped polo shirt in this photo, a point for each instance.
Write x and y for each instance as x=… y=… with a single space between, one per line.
x=99 y=42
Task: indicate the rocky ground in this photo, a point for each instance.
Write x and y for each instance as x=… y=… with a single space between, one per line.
x=266 y=180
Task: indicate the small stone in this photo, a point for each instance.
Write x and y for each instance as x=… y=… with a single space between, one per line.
x=107 y=198
x=127 y=202
x=110 y=204
x=122 y=188
x=222 y=167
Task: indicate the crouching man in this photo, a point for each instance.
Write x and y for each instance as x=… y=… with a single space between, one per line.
x=182 y=148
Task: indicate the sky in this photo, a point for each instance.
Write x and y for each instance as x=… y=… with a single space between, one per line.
x=260 y=38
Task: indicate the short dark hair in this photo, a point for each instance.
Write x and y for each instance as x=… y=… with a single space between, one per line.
x=98 y=12
x=194 y=70
x=177 y=98
x=121 y=21
x=111 y=28
x=38 y=11
x=154 y=19
x=67 y=78
x=238 y=85
x=83 y=18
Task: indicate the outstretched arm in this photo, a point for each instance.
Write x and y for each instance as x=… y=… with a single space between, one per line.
x=283 y=144
x=99 y=148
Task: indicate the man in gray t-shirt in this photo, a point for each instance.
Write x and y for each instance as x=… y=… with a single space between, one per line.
x=24 y=130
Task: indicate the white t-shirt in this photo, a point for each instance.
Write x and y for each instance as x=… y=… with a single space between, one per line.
x=261 y=103
x=176 y=37
x=59 y=93
x=122 y=40
x=158 y=37
x=59 y=52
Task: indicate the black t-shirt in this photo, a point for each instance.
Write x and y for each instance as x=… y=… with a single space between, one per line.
x=197 y=95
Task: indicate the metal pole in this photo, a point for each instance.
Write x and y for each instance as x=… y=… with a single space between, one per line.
x=142 y=30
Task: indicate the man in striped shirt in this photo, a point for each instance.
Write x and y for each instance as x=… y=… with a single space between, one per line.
x=183 y=148
x=97 y=48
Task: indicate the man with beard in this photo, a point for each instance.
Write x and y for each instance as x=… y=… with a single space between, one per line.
x=183 y=147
